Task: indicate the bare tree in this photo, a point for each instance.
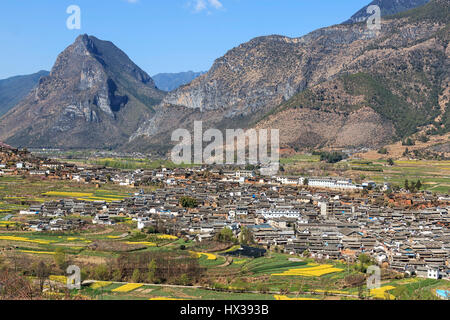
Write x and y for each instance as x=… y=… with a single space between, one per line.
x=42 y=273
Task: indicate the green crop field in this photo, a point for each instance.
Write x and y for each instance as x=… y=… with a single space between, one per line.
x=434 y=175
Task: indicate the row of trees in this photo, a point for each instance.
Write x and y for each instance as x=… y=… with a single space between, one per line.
x=15 y=272
x=413 y=186
x=245 y=237
x=149 y=267
x=330 y=157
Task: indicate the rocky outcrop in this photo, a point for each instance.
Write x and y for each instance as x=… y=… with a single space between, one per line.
x=94 y=97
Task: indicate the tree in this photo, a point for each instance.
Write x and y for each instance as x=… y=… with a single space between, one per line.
x=383 y=151
x=406 y=152
x=390 y=162
x=117 y=275
x=418 y=185
x=136 y=277
x=262 y=288
x=354 y=280
x=188 y=202
x=330 y=157
x=225 y=235
x=60 y=258
x=246 y=236
x=284 y=289
x=364 y=258
x=184 y=280
x=14 y=286
x=151 y=276
x=42 y=273
x=406 y=184
x=306 y=182
x=408 y=142
x=423 y=138
x=101 y=272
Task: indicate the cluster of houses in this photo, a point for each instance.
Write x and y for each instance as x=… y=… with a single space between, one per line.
x=327 y=218
x=21 y=162
x=324 y=223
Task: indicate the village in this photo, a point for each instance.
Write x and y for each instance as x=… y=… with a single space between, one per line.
x=325 y=218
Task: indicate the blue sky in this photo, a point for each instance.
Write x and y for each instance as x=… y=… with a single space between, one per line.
x=158 y=35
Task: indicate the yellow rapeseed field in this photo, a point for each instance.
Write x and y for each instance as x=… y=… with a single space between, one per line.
x=164 y=299
x=278 y=297
x=209 y=256
x=145 y=243
x=37 y=252
x=22 y=239
x=10 y=223
x=167 y=237
x=100 y=284
x=331 y=291
x=381 y=293
x=128 y=287
x=316 y=271
x=233 y=248
x=60 y=279
x=67 y=194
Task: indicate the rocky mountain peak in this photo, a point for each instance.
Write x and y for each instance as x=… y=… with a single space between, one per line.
x=93 y=86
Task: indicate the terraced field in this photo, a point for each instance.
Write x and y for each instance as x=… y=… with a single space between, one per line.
x=434 y=175
x=18 y=193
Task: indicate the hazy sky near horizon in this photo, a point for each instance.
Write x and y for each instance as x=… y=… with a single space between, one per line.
x=158 y=35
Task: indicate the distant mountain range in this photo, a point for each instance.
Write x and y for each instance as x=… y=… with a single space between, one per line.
x=14 y=89
x=341 y=86
x=172 y=81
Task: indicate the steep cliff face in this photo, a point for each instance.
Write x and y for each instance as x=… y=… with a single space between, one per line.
x=267 y=71
x=402 y=71
x=95 y=96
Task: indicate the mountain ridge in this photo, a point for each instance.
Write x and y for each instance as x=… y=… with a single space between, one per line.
x=14 y=89
x=387 y=8
x=171 y=81
x=94 y=97
x=255 y=78
x=342 y=86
